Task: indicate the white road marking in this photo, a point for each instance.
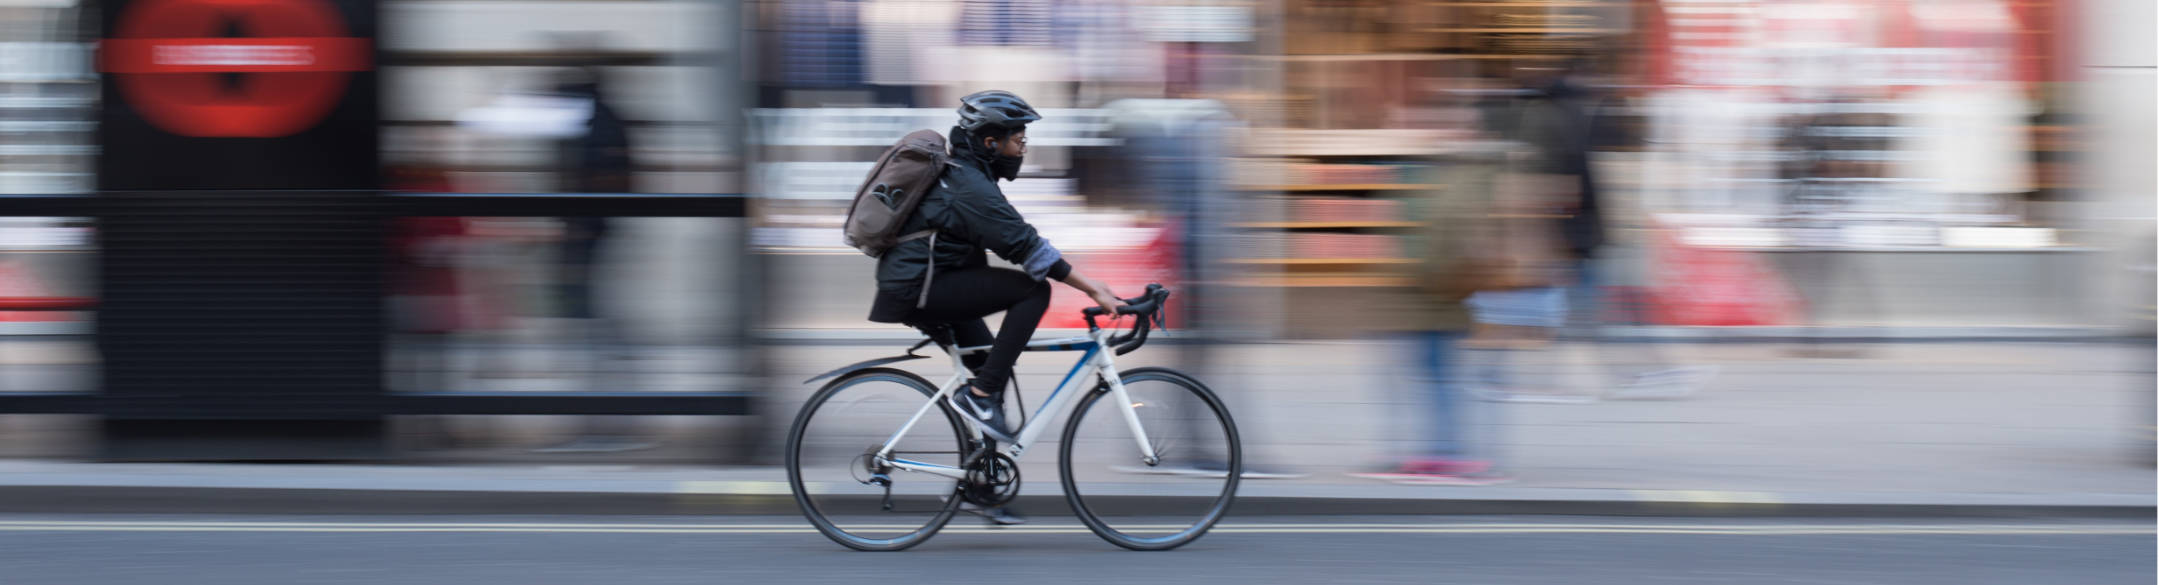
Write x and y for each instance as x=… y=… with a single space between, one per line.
x=1279 y=528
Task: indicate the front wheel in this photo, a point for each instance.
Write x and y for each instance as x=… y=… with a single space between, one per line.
x=1151 y=505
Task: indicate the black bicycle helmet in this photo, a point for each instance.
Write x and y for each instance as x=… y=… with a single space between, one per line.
x=995 y=108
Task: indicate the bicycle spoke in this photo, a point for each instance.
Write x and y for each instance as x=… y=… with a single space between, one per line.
x=1159 y=506
x=861 y=503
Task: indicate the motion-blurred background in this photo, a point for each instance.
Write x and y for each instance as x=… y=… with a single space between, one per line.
x=1884 y=245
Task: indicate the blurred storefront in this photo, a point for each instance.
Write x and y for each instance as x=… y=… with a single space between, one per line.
x=444 y=61
x=1895 y=162
x=48 y=147
x=484 y=235
x=1923 y=163
x=840 y=81
x=1902 y=162
x=1951 y=126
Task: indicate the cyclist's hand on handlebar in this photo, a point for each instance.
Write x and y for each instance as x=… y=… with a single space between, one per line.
x=1108 y=301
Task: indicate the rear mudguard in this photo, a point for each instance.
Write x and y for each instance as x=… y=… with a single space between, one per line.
x=863 y=365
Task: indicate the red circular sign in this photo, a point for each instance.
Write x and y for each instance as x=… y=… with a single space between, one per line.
x=169 y=66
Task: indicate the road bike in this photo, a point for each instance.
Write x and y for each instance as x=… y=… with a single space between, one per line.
x=1149 y=459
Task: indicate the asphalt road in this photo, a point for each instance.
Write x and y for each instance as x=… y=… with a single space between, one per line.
x=251 y=550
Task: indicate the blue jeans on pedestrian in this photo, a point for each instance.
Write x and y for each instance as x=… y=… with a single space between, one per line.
x=1433 y=356
x=1590 y=312
x=1586 y=310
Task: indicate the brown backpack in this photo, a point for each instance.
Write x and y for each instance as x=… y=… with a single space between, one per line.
x=892 y=191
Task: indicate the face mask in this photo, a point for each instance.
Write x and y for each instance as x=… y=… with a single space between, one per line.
x=1005 y=167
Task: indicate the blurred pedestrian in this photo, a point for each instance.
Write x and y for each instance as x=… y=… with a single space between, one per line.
x=436 y=299
x=594 y=161
x=1174 y=155
x=425 y=287
x=1819 y=187
x=1561 y=118
x=1430 y=316
x=1521 y=303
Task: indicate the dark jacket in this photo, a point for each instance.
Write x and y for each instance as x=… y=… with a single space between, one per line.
x=597 y=161
x=972 y=219
x=1561 y=123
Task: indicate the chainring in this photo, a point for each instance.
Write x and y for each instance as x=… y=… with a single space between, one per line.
x=992 y=481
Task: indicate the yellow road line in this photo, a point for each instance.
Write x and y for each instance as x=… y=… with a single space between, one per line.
x=743 y=488
x=1706 y=497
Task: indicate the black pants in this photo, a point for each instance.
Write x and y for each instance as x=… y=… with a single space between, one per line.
x=963 y=297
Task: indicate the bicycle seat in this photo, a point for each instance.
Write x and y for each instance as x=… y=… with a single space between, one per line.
x=941 y=333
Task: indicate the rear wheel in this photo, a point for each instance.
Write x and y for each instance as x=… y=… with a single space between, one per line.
x=832 y=465
x=1164 y=504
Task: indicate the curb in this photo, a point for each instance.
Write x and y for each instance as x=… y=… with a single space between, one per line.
x=763 y=500
x=1862 y=334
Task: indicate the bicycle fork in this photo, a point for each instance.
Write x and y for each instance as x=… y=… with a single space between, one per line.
x=1108 y=369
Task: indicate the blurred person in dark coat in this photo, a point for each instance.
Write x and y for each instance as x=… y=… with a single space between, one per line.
x=594 y=161
x=1563 y=119
x=1174 y=155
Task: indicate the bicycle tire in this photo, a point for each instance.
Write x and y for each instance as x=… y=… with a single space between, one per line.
x=1220 y=506
x=803 y=498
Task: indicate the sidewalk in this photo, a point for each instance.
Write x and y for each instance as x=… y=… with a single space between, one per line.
x=1976 y=417
x=1927 y=428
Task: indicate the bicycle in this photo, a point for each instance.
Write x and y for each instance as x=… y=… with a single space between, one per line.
x=902 y=486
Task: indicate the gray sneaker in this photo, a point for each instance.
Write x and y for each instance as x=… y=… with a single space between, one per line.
x=1537 y=397
x=1217 y=468
x=1671 y=384
x=998 y=516
x=598 y=445
x=1208 y=468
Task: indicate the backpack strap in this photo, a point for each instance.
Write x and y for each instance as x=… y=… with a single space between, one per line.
x=930 y=274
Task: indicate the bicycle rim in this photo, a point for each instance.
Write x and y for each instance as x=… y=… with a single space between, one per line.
x=1151 y=507
x=829 y=469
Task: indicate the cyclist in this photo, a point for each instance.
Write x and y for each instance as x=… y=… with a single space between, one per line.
x=947 y=279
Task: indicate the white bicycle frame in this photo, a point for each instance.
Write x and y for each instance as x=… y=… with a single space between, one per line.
x=1099 y=357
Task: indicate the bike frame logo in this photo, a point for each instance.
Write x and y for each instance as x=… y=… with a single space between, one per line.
x=169 y=64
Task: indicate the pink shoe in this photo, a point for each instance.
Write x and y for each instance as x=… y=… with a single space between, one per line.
x=1446 y=466
x=1435 y=470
